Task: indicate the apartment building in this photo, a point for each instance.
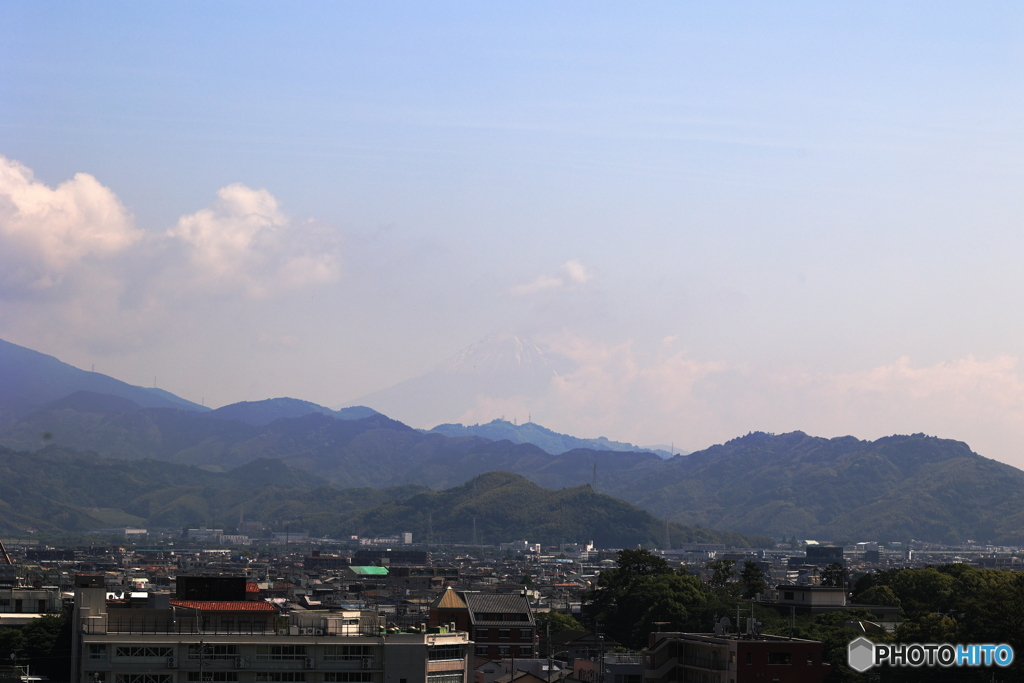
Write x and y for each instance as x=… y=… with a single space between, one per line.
x=732 y=658
x=227 y=641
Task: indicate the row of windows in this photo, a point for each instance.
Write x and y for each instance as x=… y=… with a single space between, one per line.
x=143 y=678
x=281 y=652
x=147 y=651
x=441 y=652
x=503 y=632
x=332 y=653
x=281 y=676
x=213 y=651
x=232 y=677
x=444 y=677
x=194 y=677
x=505 y=650
x=341 y=653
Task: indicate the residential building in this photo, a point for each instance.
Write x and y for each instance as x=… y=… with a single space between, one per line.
x=172 y=640
x=500 y=624
x=732 y=658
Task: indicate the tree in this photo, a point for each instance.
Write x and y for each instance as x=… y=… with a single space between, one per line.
x=879 y=595
x=722 y=573
x=642 y=590
x=642 y=563
x=752 y=579
x=833 y=575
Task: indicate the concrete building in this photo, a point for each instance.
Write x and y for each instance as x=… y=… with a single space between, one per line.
x=225 y=641
x=18 y=606
x=732 y=658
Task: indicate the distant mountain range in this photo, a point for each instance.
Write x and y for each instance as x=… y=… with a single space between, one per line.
x=261 y=413
x=894 y=488
x=58 y=490
x=31 y=379
x=547 y=440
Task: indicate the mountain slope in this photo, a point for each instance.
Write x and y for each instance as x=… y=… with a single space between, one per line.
x=57 y=490
x=539 y=436
x=29 y=379
x=261 y=413
x=504 y=506
x=895 y=488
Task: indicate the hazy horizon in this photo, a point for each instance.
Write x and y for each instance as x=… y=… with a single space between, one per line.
x=719 y=219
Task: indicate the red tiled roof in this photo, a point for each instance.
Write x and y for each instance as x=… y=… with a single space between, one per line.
x=252 y=587
x=226 y=605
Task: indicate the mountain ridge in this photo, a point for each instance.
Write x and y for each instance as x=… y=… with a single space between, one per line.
x=547 y=439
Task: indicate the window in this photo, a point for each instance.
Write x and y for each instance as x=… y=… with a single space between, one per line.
x=505 y=651
x=504 y=633
x=193 y=676
x=98 y=651
x=444 y=677
x=5 y=602
x=526 y=651
x=750 y=658
x=442 y=652
x=787 y=595
x=281 y=676
x=481 y=650
x=212 y=651
x=810 y=658
x=780 y=657
x=525 y=633
x=143 y=678
x=481 y=633
x=346 y=653
x=349 y=677
x=280 y=652
x=145 y=652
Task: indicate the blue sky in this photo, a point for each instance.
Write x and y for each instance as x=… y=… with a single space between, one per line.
x=785 y=199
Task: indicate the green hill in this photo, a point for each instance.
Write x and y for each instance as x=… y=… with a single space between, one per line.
x=57 y=490
x=506 y=506
x=895 y=488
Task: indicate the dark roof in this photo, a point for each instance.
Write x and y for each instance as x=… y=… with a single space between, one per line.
x=226 y=605
x=508 y=605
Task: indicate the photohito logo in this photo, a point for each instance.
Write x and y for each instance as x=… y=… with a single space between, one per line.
x=862 y=654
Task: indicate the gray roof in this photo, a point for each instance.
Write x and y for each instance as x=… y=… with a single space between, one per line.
x=511 y=607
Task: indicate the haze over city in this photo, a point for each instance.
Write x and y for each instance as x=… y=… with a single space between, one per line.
x=709 y=220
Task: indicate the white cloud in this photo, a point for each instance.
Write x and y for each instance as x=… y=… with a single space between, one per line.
x=572 y=272
x=244 y=239
x=47 y=233
x=576 y=271
x=76 y=273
